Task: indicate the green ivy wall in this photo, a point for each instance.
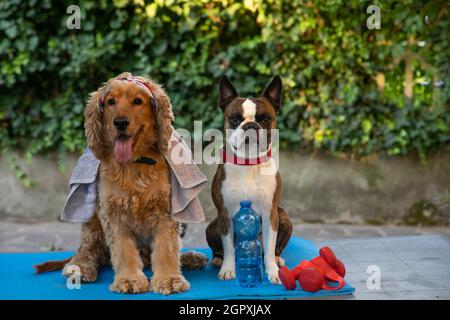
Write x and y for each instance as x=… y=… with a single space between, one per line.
x=348 y=90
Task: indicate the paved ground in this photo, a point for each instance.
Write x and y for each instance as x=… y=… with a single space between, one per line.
x=414 y=263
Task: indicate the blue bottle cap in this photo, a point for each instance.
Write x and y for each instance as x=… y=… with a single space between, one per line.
x=246 y=203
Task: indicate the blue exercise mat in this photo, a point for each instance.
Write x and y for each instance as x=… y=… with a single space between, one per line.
x=18 y=280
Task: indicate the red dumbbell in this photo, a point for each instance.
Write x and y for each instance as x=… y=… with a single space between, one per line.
x=332 y=261
x=329 y=256
x=313 y=275
x=311 y=280
x=340 y=269
x=287 y=278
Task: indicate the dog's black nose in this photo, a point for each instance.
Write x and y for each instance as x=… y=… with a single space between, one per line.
x=250 y=126
x=121 y=123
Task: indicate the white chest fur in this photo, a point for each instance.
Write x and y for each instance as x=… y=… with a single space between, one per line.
x=256 y=183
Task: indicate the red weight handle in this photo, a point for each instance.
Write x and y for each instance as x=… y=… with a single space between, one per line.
x=329 y=273
x=327 y=264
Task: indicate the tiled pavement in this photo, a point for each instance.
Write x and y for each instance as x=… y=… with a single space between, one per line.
x=411 y=267
x=414 y=263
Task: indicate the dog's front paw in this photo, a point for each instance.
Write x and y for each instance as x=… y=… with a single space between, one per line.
x=130 y=284
x=227 y=272
x=87 y=272
x=272 y=274
x=169 y=285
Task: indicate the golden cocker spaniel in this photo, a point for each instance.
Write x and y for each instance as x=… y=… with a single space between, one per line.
x=128 y=119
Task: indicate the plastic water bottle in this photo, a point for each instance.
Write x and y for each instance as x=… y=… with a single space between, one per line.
x=247 y=246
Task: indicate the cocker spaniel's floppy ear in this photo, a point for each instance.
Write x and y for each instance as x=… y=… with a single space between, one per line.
x=163 y=114
x=93 y=122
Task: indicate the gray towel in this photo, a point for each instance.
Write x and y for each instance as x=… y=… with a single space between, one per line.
x=186 y=179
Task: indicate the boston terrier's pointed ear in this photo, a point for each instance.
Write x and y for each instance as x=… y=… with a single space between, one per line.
x=227 y=92
x=273 y=92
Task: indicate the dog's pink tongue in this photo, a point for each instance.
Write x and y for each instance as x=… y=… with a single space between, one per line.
x=123 y=150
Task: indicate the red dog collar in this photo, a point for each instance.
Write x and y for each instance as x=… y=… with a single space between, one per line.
x=101 y=101
x=234 y=159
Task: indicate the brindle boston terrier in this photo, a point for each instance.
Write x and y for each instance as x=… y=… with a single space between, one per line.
x=244 y=175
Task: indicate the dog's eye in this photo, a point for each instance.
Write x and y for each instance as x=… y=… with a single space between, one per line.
x=235 y=120
x=263 y=118
x=137 y=101
x=111 y=101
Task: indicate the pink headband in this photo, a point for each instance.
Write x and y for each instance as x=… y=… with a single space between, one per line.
x=142 y=84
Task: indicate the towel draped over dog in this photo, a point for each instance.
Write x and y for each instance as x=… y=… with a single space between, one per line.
x=186 y=182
